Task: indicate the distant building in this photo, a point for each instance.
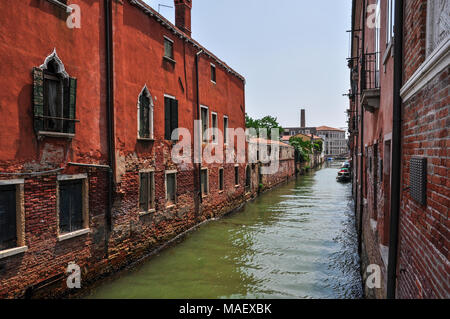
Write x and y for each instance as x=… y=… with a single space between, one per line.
x=335 y=142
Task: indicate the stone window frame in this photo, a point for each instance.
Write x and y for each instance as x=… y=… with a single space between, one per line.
x=20 y=218
x=205 y=137
x=150 y=171
x=236 y=175
x=85 y=206
x=169 y=172
x=151 y=132
x=225 y=129
x=435 y=13
x=62 y=5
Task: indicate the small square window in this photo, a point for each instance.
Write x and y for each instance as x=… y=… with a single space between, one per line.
x=213 y=73
x=168 y=48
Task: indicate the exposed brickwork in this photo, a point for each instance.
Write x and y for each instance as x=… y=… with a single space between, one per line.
x=423 y=265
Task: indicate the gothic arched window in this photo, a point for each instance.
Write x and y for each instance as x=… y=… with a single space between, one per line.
x=145 y=114
x=54 y=98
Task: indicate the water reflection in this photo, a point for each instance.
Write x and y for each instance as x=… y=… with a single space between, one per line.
x=297 y=241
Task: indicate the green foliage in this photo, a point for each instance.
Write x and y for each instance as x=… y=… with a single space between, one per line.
x=304 y=148
x=268 y=122
x=318 y=146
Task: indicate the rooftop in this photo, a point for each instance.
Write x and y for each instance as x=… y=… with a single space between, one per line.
x=328 y=128
x=170 y=26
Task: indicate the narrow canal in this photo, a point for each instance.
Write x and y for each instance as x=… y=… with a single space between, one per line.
x=297 y=241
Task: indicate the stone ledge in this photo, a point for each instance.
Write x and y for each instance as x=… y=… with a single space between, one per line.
x=74 y=234
x=13 y=251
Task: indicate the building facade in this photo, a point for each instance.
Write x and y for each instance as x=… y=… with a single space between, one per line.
x=335 y=142
x=88 y=178
x=398 y=125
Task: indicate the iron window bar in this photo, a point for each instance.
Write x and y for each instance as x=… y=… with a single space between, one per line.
x=371 y=71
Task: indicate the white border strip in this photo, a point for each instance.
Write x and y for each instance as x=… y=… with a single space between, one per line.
x=432 y=66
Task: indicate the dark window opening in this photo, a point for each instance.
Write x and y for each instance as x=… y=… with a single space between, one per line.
x=225 y=130
x=8 y=230
x=236 y=175
x=171 y=188
x=213 y=73
x=214 y=127
x=70 y=206
x=145 y=116
x=221 y=185
x=247 y=178
x=146 y=192
x=204 y=180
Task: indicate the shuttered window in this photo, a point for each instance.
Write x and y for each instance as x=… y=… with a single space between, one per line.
x=171 y=117
x=168 y=48
x=70 y=206
x=8 y=230
x=146 y=192
x=54 y=99
x=171 y=185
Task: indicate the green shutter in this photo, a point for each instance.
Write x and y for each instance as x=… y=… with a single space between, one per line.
x=72 y=104
x=38 y=99
x=167 y=121
x=174 y=116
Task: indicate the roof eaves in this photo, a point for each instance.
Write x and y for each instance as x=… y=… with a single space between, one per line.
x=166 y=23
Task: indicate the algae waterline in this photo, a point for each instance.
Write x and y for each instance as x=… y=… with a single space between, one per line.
x=297 y=241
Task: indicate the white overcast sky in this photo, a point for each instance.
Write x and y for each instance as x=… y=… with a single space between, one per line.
x=291 y=52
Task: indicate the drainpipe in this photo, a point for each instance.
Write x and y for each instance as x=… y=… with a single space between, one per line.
x=396 y=151
x=199 y=165
x=362 y=85
x=109 y=115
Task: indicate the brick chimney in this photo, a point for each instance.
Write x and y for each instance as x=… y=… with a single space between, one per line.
x=183 y=15
x=302 y=119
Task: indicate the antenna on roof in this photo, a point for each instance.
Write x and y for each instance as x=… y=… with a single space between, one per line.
x=163 y=5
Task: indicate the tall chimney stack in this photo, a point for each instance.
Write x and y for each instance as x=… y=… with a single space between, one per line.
x=302 y=119
x=183 y=15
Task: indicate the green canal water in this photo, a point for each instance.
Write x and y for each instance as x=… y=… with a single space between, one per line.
x=297 y=241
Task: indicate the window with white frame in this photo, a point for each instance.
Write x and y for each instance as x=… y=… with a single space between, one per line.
x=214 y=127
x=390 y=19
x=72 y=203
x=145 y=114
x=205 y=122
x=225 y=129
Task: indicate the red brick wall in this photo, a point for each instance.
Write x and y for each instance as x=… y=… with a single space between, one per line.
x=423 y=264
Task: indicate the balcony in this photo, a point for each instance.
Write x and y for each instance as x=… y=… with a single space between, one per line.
x=370 y=93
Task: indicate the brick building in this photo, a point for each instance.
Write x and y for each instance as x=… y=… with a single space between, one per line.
x=86 y=172
x=398 y=125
